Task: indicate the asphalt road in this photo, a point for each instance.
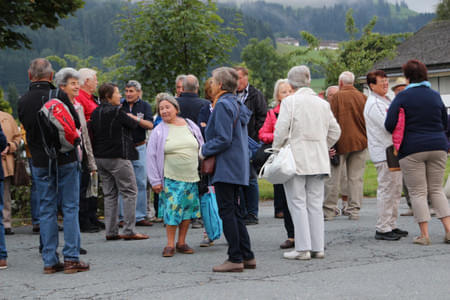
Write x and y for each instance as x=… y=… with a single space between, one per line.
x=356 y=266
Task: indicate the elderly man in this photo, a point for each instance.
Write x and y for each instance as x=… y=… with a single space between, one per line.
x=307 y=123
x=330 y=91
x=389 y=189
x=88 y=206
x=179 y=84
x=254 y=100
x=55 y=186
x=189 y=101
x=348 y=107
x=136 y=106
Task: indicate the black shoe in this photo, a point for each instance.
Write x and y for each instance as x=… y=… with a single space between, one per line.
x=387 y=236
x=83 y=251
x=398 y=231
x=8 y=231
x=60 y=228
x=36 y=228
x=90 y=229
x=251 y=219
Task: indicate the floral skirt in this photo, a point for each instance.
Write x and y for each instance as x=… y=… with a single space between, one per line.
x=179 y=201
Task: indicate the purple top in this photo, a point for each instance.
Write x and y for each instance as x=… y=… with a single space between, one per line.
x=155 y=150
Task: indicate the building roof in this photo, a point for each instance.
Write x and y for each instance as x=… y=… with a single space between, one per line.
x=430 y=45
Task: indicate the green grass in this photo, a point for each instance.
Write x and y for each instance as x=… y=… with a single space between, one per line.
x=370 y=182
x=318 y=84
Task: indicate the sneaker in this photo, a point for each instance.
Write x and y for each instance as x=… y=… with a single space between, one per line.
x=251 y=219
x=196 y=223
x=206 y=242
x=398 y=231
x=421 y=240
x=387 y=236
x=337 y=212
x=317 y=254
x=300 y=255
x=3 y=264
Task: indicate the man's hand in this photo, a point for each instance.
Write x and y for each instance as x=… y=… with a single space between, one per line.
x=332 y=152
x=157 y=188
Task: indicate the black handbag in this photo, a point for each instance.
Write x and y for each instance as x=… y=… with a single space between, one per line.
x=21 y=177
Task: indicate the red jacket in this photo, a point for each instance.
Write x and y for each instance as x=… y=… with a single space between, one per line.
x=266 y=131
x=88 y=103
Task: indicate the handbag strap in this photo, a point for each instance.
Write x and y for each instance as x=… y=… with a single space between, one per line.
x=292 y=120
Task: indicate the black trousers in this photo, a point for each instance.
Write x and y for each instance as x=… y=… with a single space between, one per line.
x=280 y=198
x=234 y=228
x=88 y=206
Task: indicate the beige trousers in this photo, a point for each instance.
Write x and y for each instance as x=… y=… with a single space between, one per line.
x=355 y=163
x=7 y=202
x=424 y=174
x=389 y=193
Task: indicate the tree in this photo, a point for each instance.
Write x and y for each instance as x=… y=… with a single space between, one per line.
x=13 y=98
x=4 y=105
x=266 y=66
x=33 y=14
x=164 y=38
x=443 y=10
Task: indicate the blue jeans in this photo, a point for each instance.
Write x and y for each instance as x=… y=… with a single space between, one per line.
x=3 y=253
x=250 y=194
x=140 y=173
x=34 y=197
x=67 y=199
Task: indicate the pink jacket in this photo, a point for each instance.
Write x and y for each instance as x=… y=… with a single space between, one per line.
x=397 y=134
x=266 y=131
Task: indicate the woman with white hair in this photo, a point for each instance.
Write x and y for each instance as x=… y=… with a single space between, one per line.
x=172 y=163
x=308 y=125
x=282 y=90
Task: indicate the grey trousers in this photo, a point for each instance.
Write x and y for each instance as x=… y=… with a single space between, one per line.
x=117 y=176
x=355 y=163
x=424 y=174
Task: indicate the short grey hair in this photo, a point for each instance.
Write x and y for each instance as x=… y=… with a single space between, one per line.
x=40 y=68
x=135 y=84
x=299 y=76
x=63 y=75
x=86 y=73
x=228 y=77
x=277 y=88
x=347 y=77
x=166 y=97
x=179 y=78
x=190 y=84
x=329 y=89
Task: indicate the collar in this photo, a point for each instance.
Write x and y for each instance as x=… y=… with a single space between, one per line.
x=188 y=94
x=125 y=102
x=423 y=83
x=40 y=84
x=385 y=98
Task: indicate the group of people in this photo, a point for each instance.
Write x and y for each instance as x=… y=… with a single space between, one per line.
x=328 y=138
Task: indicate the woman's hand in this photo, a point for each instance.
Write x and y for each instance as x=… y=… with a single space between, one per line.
x=157 y=188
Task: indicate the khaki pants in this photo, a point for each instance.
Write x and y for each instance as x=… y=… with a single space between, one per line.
x=7 y=202
x=355 y=164
x=389 y=192
x=424 y=174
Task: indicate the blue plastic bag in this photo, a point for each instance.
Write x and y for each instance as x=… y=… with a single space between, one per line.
x=210 y=214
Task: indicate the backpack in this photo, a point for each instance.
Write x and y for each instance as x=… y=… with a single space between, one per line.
x=57 y=126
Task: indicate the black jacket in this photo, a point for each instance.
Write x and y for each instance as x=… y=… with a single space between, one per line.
x=111 y=130
x=190 y=105
x=29 y=105
x=257 y=104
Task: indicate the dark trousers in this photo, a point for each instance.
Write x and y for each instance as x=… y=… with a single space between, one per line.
x=250 y=194
x=88 y=206
x=280 y=197
x=234 y=227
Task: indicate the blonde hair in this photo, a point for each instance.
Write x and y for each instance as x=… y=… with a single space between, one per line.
x=277 y=88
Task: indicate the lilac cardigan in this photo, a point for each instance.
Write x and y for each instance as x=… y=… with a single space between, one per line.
x=155 y=150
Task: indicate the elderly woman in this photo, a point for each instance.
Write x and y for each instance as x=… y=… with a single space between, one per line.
x=172 y=163
x=113 y=150
x=67 y=80
x=226 y=139
x=423 y=151
x=308 y=125
x=282 y=90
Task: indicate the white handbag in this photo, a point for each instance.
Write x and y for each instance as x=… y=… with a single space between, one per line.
x=280 y=166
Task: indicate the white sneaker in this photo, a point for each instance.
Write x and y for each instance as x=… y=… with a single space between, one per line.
x=301 y=255
x=317 y=254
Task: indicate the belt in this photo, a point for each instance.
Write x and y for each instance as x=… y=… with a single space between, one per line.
x=140 y=143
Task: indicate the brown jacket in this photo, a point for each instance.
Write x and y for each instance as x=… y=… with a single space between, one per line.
x=348 y=108
x=11 y=131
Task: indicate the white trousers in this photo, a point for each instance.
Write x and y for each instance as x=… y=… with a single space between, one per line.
x=389 y=192
x=304 y=194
